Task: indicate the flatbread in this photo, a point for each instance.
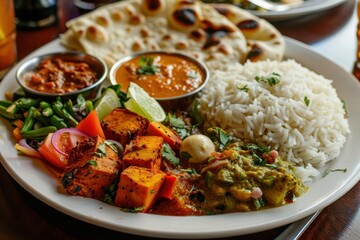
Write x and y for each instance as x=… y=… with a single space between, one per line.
x=130 y=26
x=264 y=41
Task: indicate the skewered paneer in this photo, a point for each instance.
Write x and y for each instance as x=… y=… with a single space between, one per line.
x=144 y=151
x=93 y=166
x=123 y=125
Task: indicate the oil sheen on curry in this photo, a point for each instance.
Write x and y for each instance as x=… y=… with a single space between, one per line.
x=53 y=75
x=161 y=75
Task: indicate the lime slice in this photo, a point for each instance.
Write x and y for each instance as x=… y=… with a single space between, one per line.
x=141 y=103
x=106 y=103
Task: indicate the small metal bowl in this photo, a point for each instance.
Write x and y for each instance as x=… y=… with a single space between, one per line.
x=169 y=103
x=96 y=64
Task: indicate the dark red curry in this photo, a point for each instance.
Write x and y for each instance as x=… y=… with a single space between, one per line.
x=54 y=75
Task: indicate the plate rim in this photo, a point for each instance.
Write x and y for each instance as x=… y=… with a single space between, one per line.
x=306 y=9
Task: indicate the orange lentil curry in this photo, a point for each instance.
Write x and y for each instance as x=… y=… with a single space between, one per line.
x=161 y=75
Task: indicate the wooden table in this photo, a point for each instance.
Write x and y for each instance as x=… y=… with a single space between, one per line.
x=22 y=216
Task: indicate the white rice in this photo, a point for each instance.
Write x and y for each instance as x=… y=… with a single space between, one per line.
x=277 y=116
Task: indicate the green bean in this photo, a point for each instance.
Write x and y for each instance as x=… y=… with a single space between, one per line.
x=57 y=122
x=47 y=112
x=44 y=105
x=40 y=133
x=26 y=103
x=69 y=119
x=9 y=115
x=13 y=108
x=29 y=121
x=58 y=108
x=69 y=107
x=89 y=106
x=41 y=118
x=5 y=103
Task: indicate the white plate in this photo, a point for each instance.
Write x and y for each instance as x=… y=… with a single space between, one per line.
x=309 y=7
x=35 y=176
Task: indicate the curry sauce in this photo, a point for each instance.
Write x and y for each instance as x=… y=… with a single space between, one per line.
x=161 y=75
x=53 y=75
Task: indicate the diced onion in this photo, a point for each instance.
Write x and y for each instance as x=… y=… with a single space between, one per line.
x=25 y=148
x=215 y=164
x=74 y=137
x=118 y=145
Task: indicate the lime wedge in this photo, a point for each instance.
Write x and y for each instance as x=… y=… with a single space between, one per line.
x=106 y=103
x=141 y=103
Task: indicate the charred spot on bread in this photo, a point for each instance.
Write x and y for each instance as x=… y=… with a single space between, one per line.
x=153 y=5
x=144 y=32
x=130 y=10
x=249 y=24
x=95 y=34
x=214 y=34
x=185 y=16
x=166 y=37
x=136 y=19
x=102 y=21
x=181 y=45
x=117 y=16
x=255 y=53
x=197 y=35
x=222 y=10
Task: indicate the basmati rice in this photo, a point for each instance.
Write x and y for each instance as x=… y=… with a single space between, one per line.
x=301 y=116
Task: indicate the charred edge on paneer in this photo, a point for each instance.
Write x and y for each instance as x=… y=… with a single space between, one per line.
x=144 y=151
x=123 y=125
x=93 y=166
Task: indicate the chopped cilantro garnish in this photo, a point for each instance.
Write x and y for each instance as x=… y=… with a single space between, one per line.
x=333 y=170
x=196 y=113
x=192 y=74
x=219 y=137
x=224 y=138
x=92 y=162
x=189 y=171
x=344 y=106
x=307 y=101
x=133 y=210
x=111 y=145
x=271 y=80
x=256 y=153
x=169 y=155
x=147 y=66
x=110 y=192
x=243 y=88
x=101 y=151
x=178 y=125
x=185 y=155
x=175 y=121
x=253 y=147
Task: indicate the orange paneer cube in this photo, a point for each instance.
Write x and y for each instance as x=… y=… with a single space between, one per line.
x=144 y=151
x=138 y=188
x=93 y=166
x=123 y=125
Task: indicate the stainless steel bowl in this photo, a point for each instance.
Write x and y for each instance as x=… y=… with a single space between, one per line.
x=170 y=103
x=97 y=64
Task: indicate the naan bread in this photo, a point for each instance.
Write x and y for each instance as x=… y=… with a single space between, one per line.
x=125 y=27
x=263 y=39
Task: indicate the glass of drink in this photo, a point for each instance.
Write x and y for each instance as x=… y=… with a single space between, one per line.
x=91 y=4
x=7 y=36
